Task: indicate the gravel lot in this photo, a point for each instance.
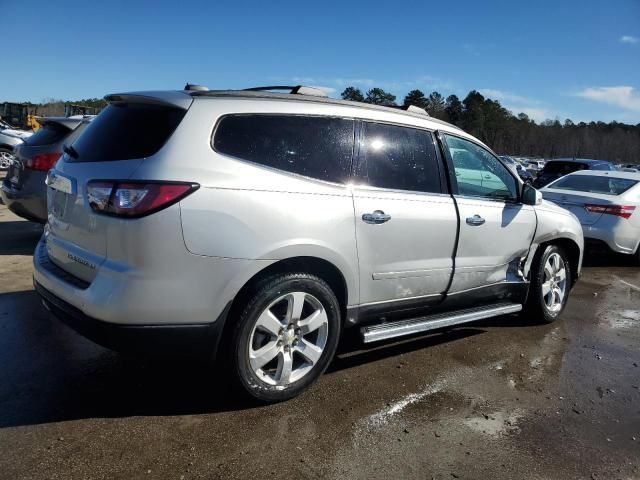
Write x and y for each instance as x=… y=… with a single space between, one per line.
x=496 y=399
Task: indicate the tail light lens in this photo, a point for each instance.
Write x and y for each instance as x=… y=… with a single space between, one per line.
x=135 y=199
x=43 y=161
x=624 y=211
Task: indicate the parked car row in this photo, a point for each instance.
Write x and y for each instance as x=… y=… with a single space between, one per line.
x=10 y=137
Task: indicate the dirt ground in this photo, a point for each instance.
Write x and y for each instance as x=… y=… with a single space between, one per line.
x=495 y=399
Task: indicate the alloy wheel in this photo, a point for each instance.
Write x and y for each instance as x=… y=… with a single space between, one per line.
x=288 y=339
x=555 y=283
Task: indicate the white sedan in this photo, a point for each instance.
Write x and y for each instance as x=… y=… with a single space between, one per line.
x=607 y=203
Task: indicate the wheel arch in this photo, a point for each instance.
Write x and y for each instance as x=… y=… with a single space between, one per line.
x=571 y=248
x=320 y=267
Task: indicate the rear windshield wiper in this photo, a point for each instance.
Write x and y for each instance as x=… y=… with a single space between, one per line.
x=69 y=150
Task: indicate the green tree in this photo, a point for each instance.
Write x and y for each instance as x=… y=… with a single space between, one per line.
x=353 y=94
x=453 y=109
x=415 y=97
x=378 y=96
x=473 y=119
x=436 y=105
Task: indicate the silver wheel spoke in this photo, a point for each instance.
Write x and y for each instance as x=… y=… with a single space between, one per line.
x=296 y=304
x=309 y=351
x=559 y=294
x=562 y=275
x=268 y=321
x=546 y=288
x=285 y=366
x=548 y=270
x=259 y=358
x=313 y=322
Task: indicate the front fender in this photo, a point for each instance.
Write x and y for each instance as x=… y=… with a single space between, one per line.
x=555 y=223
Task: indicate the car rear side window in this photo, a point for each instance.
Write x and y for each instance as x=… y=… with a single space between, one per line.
x=127 y=131
x=398 y=158
x=316 y=147
x=47 y=134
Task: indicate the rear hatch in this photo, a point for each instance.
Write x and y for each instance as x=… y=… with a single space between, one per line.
x=131 y=129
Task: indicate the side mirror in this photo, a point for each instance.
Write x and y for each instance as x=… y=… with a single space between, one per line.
x=531 y=196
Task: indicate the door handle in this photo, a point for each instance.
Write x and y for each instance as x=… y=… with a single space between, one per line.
x=376 y=217
x=487 y=176
x=475 y=220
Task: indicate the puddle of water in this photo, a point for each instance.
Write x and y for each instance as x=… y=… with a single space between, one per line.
x=620 y=318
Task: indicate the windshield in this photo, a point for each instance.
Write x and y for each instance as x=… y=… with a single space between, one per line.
x=592 y=184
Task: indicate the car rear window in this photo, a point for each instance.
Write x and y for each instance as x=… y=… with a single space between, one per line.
x=127 y=131
x=593 y=184
x=564 y=167
x=47 y=134
x=316 y=147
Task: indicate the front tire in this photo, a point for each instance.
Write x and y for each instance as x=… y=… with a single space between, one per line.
x=550 y=285
x=285 y=337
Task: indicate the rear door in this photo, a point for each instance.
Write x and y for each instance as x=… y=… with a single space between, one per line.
x=496 y=230
x=406 y=223
x=112 y=147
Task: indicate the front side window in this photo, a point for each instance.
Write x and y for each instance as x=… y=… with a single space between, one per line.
x=398 y=158
x=316 y=147
x=478 y=173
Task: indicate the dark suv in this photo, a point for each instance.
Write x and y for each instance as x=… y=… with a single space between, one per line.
x=23 y=189
x=554 y=169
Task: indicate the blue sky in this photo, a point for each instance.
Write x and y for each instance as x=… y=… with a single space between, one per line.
x=550 y=59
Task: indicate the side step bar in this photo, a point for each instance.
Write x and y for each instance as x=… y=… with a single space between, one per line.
x=400 y=328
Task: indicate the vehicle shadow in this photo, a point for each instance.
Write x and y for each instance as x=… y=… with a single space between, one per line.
x=51 y=374
x=19 y=237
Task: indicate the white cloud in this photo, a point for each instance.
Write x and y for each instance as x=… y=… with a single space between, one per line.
x=624 y=97
x=629 y=39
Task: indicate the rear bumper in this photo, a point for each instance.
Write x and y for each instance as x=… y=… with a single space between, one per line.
x=30 y=206
x=159 y=339
x=619 y=237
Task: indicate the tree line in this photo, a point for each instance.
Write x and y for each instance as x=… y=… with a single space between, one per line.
x=519 y=135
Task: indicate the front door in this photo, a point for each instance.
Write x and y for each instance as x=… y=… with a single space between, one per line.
x=496 y=230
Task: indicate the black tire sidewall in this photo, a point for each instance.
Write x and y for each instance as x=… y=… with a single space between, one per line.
x=266 y=293
x=536 y=304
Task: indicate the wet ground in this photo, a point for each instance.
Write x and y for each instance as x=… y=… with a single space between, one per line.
x=496 y=399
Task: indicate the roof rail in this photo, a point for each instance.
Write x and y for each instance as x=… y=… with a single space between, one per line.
x=298 y=89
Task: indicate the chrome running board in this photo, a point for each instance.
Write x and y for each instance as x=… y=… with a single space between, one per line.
x=400 y=328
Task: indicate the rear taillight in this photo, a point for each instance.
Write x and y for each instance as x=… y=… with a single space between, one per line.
x=43 y=161
x=624 y=211
x=135 y=199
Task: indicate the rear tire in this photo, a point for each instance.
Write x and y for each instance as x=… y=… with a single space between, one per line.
x=550 y=285
x=285 y=338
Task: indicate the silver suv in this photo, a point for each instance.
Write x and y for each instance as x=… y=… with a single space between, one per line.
x=256 y=226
